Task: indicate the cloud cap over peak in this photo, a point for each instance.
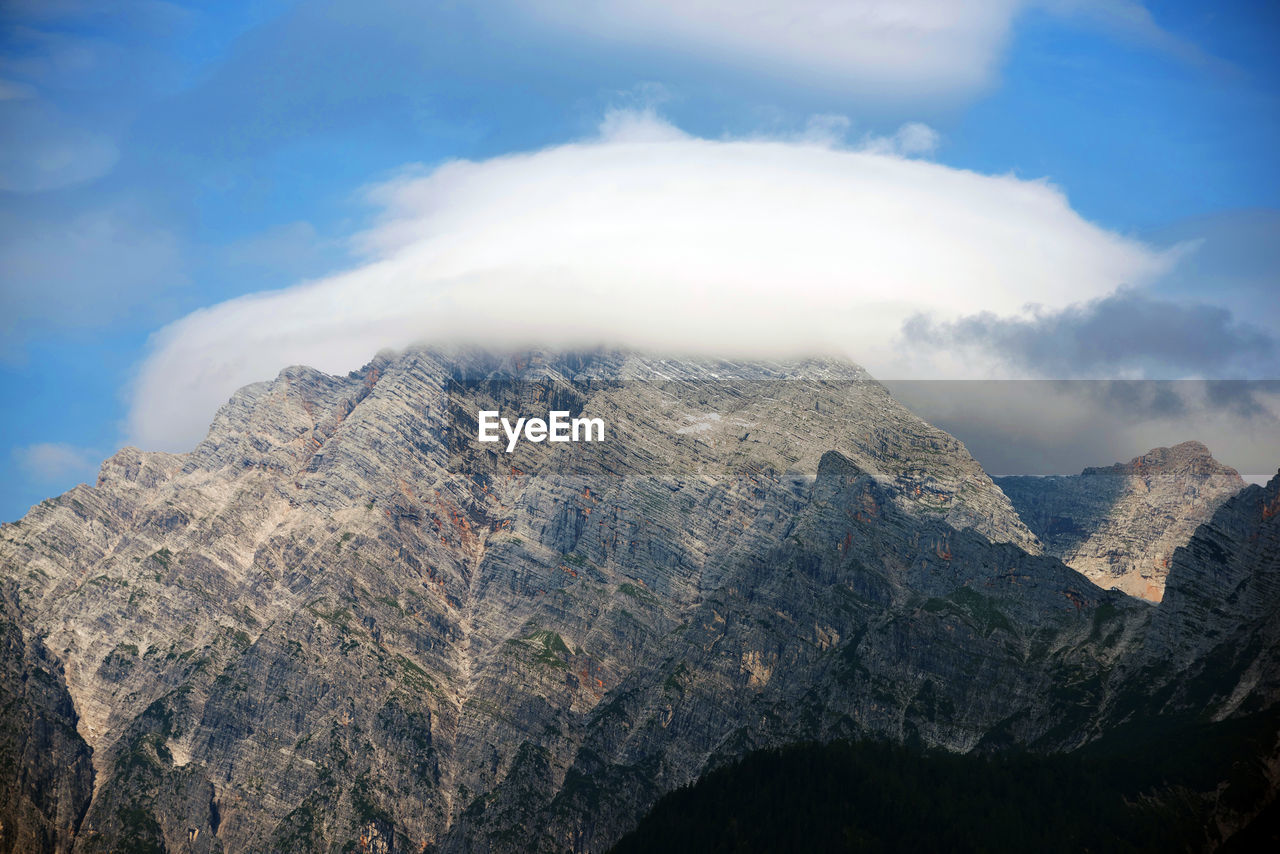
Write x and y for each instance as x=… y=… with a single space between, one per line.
x=649 y=238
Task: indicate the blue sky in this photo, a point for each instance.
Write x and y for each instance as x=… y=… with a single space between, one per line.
x=159 y=158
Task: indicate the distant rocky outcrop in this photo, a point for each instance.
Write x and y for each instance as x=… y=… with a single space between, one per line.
x=341 y=623
x=1120 y=524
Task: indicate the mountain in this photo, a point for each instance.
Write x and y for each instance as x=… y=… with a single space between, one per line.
x=1187 y=758
x=1119 y=525
x=343 y=623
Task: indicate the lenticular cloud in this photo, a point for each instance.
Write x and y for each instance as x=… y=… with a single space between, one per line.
x=648 y=238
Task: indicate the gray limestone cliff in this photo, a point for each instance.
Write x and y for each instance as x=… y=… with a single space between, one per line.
x=44 y=763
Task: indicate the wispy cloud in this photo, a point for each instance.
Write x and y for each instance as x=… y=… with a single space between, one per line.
x=1132 y=21
x=74 y=74
x=42 y=149
x=884 y=48
x=914 y=139
x=899 y=47
x=50 y=462
x=87 y=271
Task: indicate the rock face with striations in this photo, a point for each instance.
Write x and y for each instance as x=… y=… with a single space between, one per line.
x=44 y=763
x=341 y=623
x=1120 y=524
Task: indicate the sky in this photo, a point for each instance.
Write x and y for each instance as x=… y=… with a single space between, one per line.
x=193 y=196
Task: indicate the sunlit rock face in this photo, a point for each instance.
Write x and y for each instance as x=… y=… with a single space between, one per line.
x=1119 y=525
x=341 y=620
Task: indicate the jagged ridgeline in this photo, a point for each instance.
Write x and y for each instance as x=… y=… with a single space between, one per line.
x=342 y=622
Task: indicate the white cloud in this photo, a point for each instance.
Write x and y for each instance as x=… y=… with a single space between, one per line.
x=911 y=140
x=636 y=126
x=56 y=461
x=892 y=47
x=649 y=238
x=826 y=129
x=873 y=48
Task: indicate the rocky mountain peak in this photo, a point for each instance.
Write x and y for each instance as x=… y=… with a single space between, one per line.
x=1120 y=524
x=1190 y=459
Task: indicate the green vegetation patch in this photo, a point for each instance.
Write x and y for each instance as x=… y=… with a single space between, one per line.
x=548 y=647
x=414 y=676
x=638 y=593
x=673 y=680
